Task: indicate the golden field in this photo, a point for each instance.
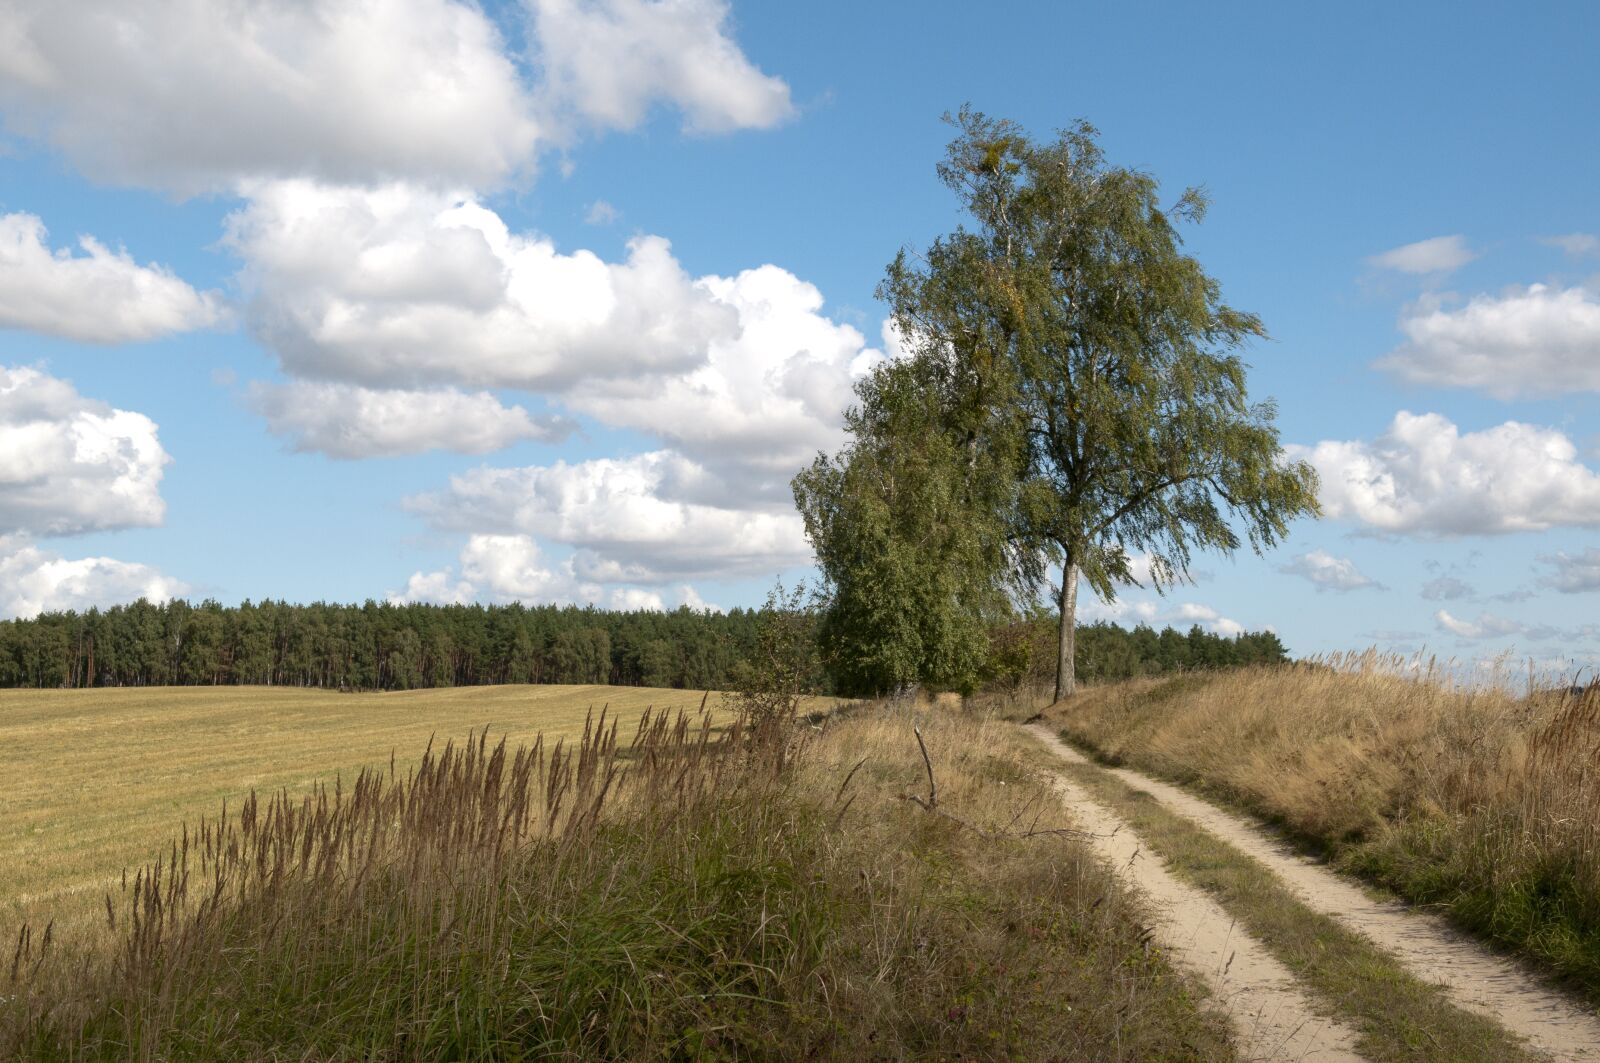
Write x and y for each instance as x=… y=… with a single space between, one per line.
x=97 y=780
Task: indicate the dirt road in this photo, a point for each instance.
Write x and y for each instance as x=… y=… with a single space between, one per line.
x=1474 y=978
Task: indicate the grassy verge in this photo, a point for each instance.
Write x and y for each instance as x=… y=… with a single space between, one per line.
x=1478 y=802
x=1398 y=1016
x=689 y=898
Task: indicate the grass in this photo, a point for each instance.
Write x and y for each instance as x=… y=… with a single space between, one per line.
x=1479 y=801
x=691 y=900
x=96 y=780
x=1398 y=1016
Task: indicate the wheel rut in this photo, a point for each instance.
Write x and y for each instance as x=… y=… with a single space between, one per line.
x=1475 y=978
x=1273 y=1017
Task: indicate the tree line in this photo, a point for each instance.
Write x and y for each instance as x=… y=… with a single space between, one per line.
x=375 y=646
x=1026 y=651
x=378 y=646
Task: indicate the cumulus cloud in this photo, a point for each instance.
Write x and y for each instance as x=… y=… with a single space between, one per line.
x=625 y=515
x=1573 y=573
x=1424 y=476
x=1446 y=589
x=1441 y=254
x=100 y=295
x=512 y=568
x=1489 y=626
x=1126 y=610
x=346 y=421
x=766 y=399
x=194 y=95
x=1536 y=340
x=1577 y=245
x=400 y=287
x=1329 y=573
x=33 y=581
x=69 y=464
x=605 y=62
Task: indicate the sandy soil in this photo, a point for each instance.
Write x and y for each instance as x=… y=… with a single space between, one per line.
x=1475 y=978
x=1272 y=1015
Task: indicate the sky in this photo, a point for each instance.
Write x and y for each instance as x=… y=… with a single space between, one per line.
x=547 y=300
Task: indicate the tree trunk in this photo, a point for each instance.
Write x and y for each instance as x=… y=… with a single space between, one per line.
x=1066 y=664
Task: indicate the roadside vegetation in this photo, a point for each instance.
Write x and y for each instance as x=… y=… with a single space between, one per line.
x=1398 y=1015
x=759 y=892
x=1480 y=801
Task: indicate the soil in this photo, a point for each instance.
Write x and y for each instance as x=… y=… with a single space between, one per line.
x=1273 y=1017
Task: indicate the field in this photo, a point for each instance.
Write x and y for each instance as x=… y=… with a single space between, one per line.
x=768 y=895
x=96 y=780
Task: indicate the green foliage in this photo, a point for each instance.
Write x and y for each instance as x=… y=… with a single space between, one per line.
x=1025 y=651
x=783 y=666
x=1082 y=380
x=374 y=646
x=905 y=524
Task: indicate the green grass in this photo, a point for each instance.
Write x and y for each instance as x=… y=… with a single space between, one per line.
x=1398 y=1016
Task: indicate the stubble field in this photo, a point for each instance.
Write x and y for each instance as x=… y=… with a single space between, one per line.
x=97 y=780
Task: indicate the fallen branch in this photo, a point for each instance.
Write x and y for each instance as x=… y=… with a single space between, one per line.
x=933 y=798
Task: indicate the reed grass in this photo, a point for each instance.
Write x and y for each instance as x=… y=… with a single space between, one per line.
x=1482 y=800
x=685 y=892
x=97 y=779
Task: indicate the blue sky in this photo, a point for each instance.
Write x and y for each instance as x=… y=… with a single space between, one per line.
x=546 y=299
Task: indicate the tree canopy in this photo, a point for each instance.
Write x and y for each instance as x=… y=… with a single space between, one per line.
x=1078 y=400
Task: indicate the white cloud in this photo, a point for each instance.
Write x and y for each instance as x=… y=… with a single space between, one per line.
x=623 y=512
x=765 y=400
x=601 y=213
x=1425 y=477
x=1328 y=572
x=690 y=598
x=512 y=568
x=607 y=61
x=1126 y=610
x=194 y=95
x=400 y=287
x=346 y=421
x=1574 y=573
x=1530 y=341
x=70 y=464
x=1446 y=589
x=397 y=288
x=1195 y=613
x=1488 y=626
x=33 y=581
x=1441 y=254
x=434 y=588
x=1577 y=245
x=100 y=296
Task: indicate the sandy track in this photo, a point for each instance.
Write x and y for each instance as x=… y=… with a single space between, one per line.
x=1272 y=1016
x=1475 y=978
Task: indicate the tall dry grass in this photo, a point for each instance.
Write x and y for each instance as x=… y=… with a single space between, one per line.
x=698 y=894
x=1482 y=799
